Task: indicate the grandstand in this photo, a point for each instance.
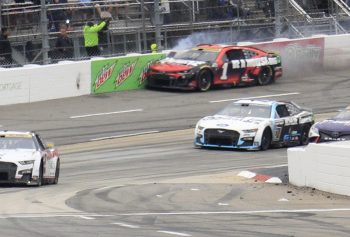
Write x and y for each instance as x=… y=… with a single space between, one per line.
x=135 y=24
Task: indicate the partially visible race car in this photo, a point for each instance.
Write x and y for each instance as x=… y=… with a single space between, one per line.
x=254 y=125
x=26 y=159
x=333 y=129
x=207 y=65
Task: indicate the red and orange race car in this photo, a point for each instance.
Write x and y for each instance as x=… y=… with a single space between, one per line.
x=209 y=65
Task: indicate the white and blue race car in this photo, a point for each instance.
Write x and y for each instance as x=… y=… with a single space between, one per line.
x=255 y=125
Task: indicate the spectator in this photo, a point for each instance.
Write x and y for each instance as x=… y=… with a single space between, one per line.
x=64 y=44
x=116 y=8
x=88 y=10
x=58 y=15
x=154 y=48
x=5 y=48
x=91 y=41
x=29 y=51
x=269 y=8
x=103 y=33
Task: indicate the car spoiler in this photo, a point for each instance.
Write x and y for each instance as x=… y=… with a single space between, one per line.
x=301 y=108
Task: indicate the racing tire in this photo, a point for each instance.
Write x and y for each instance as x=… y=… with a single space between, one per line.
x=41 y=175
x=204 y=80
x=266 y=139
x=304 y=135
x=57 y=172
x=266 y=76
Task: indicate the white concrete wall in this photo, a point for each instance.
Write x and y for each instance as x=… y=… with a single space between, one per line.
x=37 y=83
x=324 y=166
x=337 y=52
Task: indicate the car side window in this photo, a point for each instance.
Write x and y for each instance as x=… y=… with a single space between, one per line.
x=225 y=58
x=282 y=111
x=249 y=54
x=235 y=54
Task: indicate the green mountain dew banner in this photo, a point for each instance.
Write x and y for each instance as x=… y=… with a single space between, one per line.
x=121 y=73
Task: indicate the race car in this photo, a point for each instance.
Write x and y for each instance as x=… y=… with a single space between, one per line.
x=26 y=159
x=210 y=65
x=333 y=129
x=255 y=125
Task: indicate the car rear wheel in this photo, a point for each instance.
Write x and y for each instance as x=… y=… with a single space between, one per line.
x=304 y=135
x=266 y=139
x=266 y=76
x=57 y=173
x=204 y=80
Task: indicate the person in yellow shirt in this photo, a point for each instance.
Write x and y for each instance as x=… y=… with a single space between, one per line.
x=154 y=48
x=91 y=37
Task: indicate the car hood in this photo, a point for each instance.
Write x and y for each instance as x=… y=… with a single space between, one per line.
x=17 y=155
x=334 y=125
x=173 y=65
x=228 y=122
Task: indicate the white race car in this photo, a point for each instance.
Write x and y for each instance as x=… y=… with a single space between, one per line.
x=26 y=159
x=255 y=124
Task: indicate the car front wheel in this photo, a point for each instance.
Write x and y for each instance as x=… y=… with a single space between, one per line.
x=304 y=135
x=204 y=80
x=57 y=173
x=41 y=175
x=266 y=139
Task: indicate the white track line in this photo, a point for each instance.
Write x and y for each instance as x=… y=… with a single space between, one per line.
x=255 y=97
x=234 y=212
x=87 y=217
x=124 y=135
x=173 y=233
x=23 y=216
x=126 y=225
x=108 y=113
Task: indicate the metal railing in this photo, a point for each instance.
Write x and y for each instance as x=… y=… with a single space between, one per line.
x=343 y=6
x=136 y=24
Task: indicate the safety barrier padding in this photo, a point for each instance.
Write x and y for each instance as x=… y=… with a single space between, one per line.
x=324 y=166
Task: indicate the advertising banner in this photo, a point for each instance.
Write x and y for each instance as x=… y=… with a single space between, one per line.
x=121 y=73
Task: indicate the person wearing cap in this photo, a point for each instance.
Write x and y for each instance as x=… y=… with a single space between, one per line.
x=154 y=48
x=91 y=40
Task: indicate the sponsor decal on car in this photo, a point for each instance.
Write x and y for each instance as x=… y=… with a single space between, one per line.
x=182 y=61
x=16 y=135
x=222 y=125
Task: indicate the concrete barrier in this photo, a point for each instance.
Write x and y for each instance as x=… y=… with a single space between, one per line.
x=324 y=166
x=37 y=83
x=337 y=52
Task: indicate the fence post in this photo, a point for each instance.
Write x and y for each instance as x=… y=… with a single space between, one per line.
x=280 y=6
x=157 y=24
x=1 y=14
x=44 y=32
x=144 y=36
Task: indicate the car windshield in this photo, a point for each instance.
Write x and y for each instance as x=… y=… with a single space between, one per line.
x=247 y=110
x=16 y=143
x=197 y=55
x=343 y=116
